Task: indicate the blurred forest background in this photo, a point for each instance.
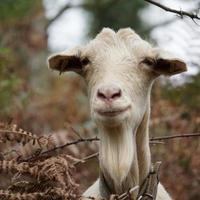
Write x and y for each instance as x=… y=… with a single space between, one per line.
x=41 y=101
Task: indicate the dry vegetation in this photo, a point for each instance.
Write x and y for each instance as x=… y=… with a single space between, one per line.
x=38 y=166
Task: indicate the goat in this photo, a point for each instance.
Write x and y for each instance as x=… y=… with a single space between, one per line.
x=119 y=69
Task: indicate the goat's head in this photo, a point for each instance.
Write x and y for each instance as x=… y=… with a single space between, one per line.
x=119 y=69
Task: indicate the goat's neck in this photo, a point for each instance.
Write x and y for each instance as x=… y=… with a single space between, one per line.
x=125 y=155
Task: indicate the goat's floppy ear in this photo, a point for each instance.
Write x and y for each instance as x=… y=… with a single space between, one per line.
x=67 y=62
x=165 y=63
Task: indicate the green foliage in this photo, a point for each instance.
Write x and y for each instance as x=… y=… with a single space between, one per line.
x=17 y=36
x=15 y=10
x=114 y=14
x=9 y=81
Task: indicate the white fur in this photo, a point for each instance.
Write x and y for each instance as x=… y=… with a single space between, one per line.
x=116 y=58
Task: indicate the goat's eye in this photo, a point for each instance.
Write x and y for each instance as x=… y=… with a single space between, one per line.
x=85 y=61
x=149 y=61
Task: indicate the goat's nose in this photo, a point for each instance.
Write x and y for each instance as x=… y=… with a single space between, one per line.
x=109 y=93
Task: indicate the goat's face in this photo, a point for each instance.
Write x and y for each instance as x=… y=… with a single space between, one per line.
x=119 y=69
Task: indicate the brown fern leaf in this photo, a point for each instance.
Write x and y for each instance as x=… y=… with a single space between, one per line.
x=29 y=149
x=7 y=195
x=31 y=185
x=67 y=194
x=14 y=167
x=58 y=169
x=43 y=178
x=12 y=133
x=58 y=139
x=54 y=169
x=8 y=166
x=34 y=147
x=50 y=194
x=37 y=145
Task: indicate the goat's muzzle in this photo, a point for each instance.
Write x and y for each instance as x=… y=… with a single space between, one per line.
x=109 y=93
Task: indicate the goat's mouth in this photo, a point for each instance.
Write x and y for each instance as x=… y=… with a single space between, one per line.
x=112 y=112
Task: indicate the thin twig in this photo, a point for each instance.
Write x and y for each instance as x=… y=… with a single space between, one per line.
x=175 y=136
x=154 y=140
x=72 y=143
x=70 y=5
x=125 y=195
x=91 y=156
x=81 y=140
x=181 y=13
x=62 y=10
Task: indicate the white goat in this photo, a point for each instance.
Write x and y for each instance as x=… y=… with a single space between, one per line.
x=119 y=69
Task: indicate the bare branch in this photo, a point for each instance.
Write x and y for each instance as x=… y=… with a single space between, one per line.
x=175 y=136
x=72 y=143
x=155 y=140
x=62 y=10
x=81 y=140
x=69 y=6
x=125 y=195
x=181 y=13
x=91 y=156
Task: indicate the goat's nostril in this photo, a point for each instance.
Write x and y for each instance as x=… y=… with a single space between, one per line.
x=116 y=94
x=101 y=95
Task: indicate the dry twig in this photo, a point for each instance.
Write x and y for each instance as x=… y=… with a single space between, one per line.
x=175 y=136
x=153 y=140
x=181 y=13
x=42 y=175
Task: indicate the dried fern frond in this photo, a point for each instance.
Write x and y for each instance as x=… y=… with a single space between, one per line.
x=48 y=179
x=50 y=195
x=57 y=139
x=13 y=167
x=31 y=186
x=46 y=176
x=23 y=152
x=34 y=147
x=55 y=168
x=29 y=149
x=58 y=169
x=12 y=133
x=31 y=145
x=8 y=166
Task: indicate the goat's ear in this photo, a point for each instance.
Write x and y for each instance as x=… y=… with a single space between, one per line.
x=164 y=63
x=67 y=62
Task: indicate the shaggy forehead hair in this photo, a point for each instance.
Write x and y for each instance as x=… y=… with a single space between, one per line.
x=125 y=40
